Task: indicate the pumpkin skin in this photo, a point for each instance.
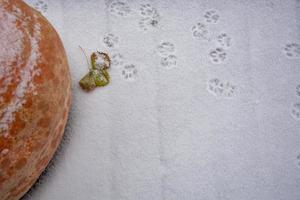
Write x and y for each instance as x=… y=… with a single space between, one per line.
x=35 y=96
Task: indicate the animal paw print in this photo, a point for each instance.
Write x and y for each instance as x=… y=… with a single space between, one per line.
x=229 y=90
x=200 y=31
x=117 y=60
x=150 y=18
x=223 y=40
x=41 y=6
x=298 y=160
x=298 y=90
x=296 y=111
x=219 y=88
x=217 y=56
x=292 y=50
x=119 y=8
x=169 y=62
x=165 y=49
x=215 y=86
x=111 y=40
x=147 y=10
x=211 y=16
x=129 y=72
x=148 y=23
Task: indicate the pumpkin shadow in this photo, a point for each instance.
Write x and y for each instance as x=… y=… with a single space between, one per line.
x=59 y=154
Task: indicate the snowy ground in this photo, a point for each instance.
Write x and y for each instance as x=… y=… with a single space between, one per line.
x=204 y=102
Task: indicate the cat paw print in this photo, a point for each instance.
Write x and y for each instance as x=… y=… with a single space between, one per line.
x=129 y=72
x=295 y=112
x=165 y=49
x=217 y=56
x=150 y=17
x=224 y=41
x=215 y=86
x=298 y=90
x=219 y=88
x=40 y=6
x=147 y=10
x=200 y=31
x=169 y=61
x=111 y=40
x=211 y=16
x=117 y=60
x=292 y=50
x=148 y=23
x=229 y=90
x=298 y=160
x=119 y=8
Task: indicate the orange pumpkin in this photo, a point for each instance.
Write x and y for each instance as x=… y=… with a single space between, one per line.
x=35 y=96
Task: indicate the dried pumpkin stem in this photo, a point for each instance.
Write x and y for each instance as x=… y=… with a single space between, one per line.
x=98 y=75
x=87 y=60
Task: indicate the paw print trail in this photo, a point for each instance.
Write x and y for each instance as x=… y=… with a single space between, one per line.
x=295 y=111
x=119 y=8
x=148 y=23
x=129 y=72
x=224 y=41
x=220 y=42
x=217 y=56
x=221 y=89
x=200 y=31
x=298 y=90
x=166 y=51
x=111 y=40
x=295 y=108
x=292 y=50
x=117 y=60
x=147 y=10
x=298 y=160
x=169 y=62
x=150 y=17
x=211 y=16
